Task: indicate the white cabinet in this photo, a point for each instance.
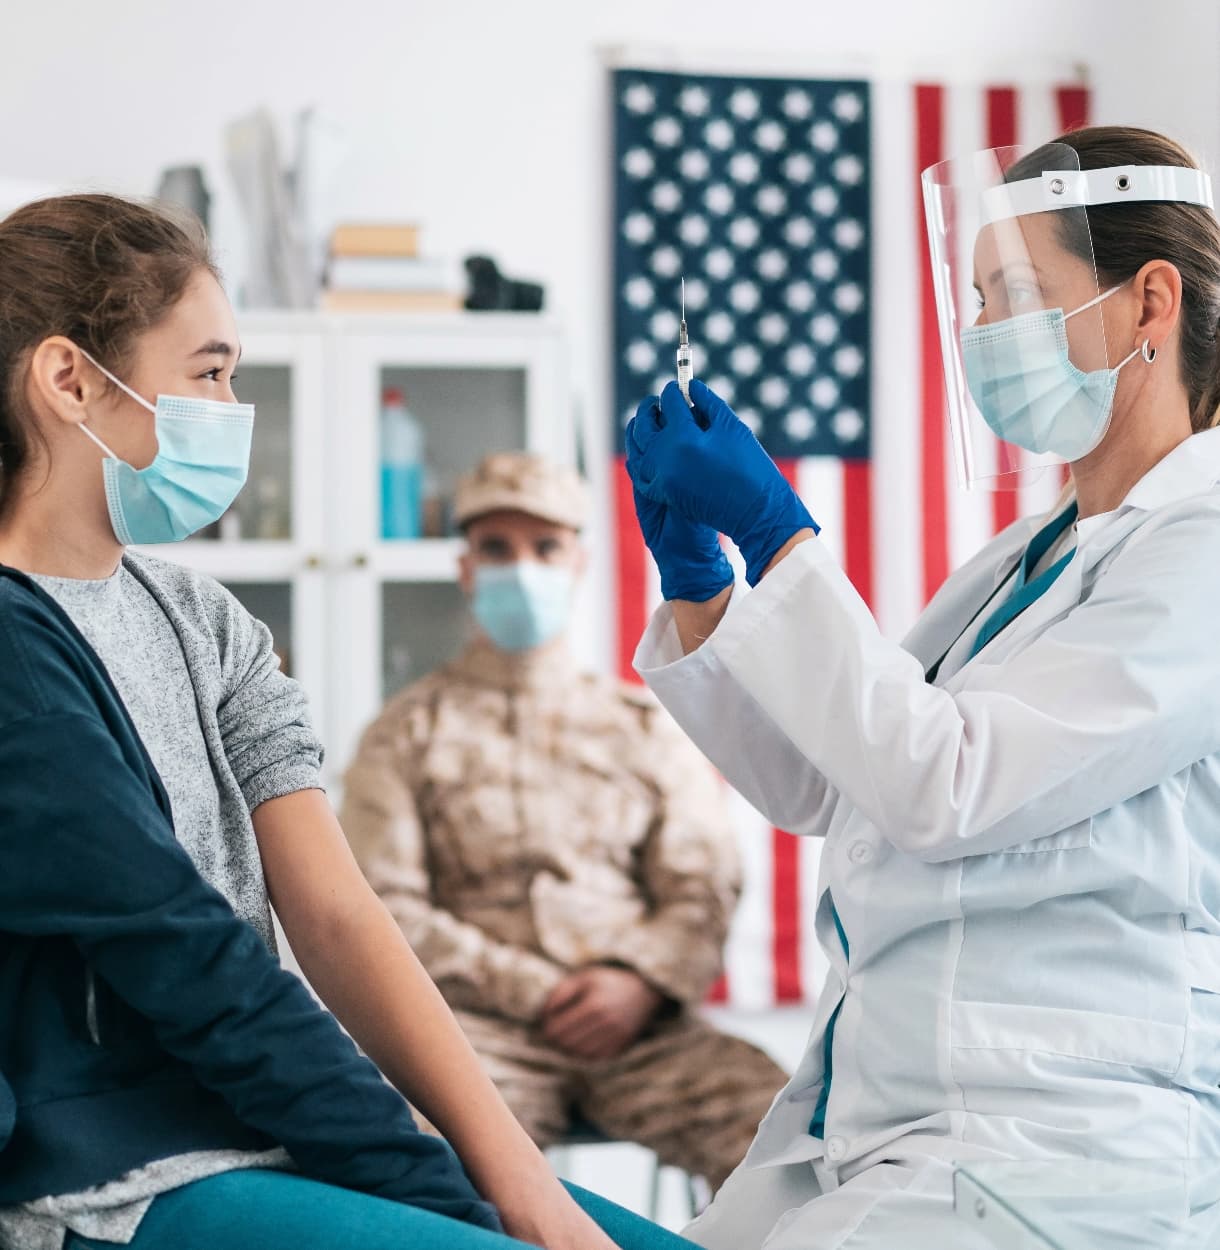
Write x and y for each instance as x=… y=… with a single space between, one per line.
x=356 y=616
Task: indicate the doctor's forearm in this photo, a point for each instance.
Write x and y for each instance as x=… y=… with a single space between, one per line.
x=801 y=536
x=696 y=622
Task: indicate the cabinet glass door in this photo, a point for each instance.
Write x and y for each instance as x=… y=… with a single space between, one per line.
x=461 y=415
x=424 y=625
x=470 y=384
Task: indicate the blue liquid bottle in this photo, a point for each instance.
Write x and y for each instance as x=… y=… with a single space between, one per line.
x=402 y=468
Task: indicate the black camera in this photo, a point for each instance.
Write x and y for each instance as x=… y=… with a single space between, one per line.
x=490 y=290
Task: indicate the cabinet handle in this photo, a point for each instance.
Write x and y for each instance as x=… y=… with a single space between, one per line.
x=360 y=560
x=314 y=561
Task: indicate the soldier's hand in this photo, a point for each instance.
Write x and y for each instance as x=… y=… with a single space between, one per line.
x=595 y=1013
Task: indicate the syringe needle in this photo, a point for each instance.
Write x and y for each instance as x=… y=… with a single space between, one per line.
x=684 y=353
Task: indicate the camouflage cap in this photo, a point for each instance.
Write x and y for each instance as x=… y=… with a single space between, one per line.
x=519 y=481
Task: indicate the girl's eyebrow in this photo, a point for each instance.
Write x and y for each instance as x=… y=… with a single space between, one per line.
x=217 y=347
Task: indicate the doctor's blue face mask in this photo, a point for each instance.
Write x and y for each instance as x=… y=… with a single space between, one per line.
x=203 y=457
x=1027 y=388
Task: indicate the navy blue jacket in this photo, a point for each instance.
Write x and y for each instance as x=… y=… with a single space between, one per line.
x=197 y=1038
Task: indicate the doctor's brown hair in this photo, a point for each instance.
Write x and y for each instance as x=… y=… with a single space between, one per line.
x=1123 y=237
x=97 y=269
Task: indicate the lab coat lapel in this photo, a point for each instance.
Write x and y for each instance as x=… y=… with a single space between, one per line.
x=1057 y=601
x=965 y=593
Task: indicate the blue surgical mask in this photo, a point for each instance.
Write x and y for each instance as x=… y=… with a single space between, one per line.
x=1027 y=388
x=203 y=457
x=522 y=606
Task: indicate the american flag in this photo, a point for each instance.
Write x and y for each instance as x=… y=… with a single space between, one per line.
x=792 y=207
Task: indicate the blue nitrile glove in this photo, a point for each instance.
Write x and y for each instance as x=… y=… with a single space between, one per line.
x=692 y=563
x=704 y=463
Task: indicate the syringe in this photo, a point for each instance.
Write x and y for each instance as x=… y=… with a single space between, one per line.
x=685 y=371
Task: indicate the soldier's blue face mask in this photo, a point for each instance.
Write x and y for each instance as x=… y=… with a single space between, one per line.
x=523 y=605
x=203 y=457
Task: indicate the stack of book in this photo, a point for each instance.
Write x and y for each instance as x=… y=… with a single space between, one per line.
x=378 y=268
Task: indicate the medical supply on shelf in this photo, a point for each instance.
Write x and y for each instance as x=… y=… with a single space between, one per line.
x=402 y=468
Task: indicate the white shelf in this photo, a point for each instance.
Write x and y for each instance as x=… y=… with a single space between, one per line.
x=479 y=327
x=409 y=560
x=236 y=561
x=418 y=560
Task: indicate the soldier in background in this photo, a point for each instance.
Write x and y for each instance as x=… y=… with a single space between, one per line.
x=558 y=853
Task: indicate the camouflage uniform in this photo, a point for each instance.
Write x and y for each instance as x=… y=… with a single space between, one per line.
x=521 y=819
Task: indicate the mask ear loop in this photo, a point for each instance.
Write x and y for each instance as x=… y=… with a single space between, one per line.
x=1097 y=299
x=1092 y=304
x=121 y=385
x=84 y=429
x=1147 y=351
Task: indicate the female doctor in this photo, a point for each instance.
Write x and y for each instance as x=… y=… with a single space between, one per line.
x=1020 y=883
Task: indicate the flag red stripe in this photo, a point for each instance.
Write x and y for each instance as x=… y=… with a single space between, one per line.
x=858 y=526
x=1073 y=105
x=631 y=557
x=786 y=931
x=786 y=881
x=929 y=132
x=1002 y=133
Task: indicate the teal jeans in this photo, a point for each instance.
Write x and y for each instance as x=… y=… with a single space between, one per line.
x=279 y=1211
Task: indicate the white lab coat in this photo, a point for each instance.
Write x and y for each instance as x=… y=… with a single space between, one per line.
x=1025 y=858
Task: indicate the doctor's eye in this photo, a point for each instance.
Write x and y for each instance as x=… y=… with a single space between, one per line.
x=1022 y=296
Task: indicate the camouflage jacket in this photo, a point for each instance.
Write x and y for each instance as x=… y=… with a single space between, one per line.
x=521 y=818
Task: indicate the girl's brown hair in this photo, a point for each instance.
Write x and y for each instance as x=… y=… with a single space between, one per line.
x=1122 y=238
x=96 y=269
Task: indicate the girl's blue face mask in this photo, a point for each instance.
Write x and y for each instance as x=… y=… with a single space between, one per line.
x=1027 y=388
x=524 y=605
x=203 y=457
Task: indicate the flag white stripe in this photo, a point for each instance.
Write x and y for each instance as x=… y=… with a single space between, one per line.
x=748 y=959
x=1038 y=123
x=652 y=585
x=969 y=512
x=819 y=482
x=814 y=964
x=897 y=213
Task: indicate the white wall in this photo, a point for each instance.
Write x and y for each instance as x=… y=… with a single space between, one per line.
x=489 y=121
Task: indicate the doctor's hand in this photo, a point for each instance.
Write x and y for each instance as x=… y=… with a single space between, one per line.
x=691 y=561
x=595 y=1013
x=706 y=465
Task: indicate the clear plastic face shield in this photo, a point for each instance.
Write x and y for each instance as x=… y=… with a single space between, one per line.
x=1030 y=376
